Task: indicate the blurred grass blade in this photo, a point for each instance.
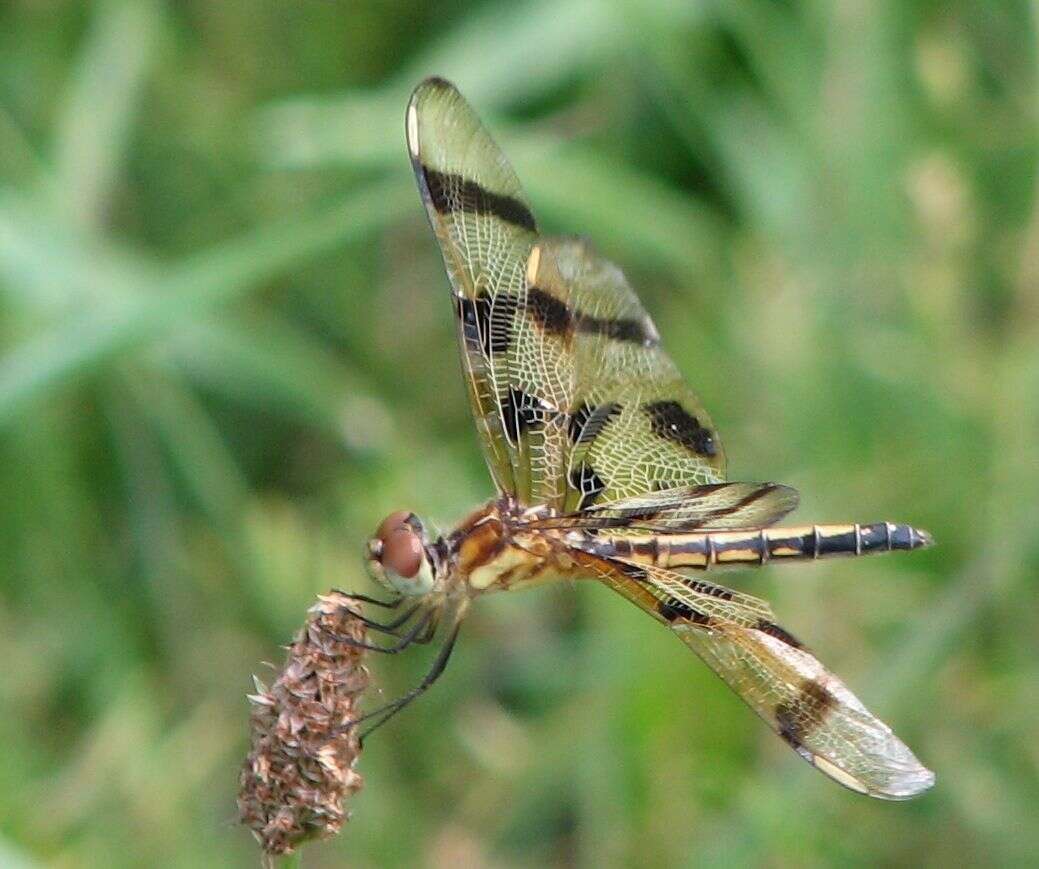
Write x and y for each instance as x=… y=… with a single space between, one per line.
x=199 y=285
x=49 y=266
x=14 y=858
x=94 y=126
x=268 y=362
x=19 y=158
x=200 y=454
x=481 y=56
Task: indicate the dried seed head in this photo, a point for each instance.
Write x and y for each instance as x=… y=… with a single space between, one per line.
x=301 y=765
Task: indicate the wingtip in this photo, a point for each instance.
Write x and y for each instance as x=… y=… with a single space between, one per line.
x=910 y=783
x=438 y=81
x=433 y=83
x=902 y=784
x=894 y=772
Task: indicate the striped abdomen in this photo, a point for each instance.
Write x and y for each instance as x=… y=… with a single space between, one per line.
x=759 y=546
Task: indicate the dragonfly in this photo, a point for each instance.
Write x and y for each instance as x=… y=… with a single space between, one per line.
x=606 y=466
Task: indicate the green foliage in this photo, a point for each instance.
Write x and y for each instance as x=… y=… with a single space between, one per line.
x=227 y=352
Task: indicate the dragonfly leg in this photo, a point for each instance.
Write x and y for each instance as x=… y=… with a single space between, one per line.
x=419 y=633
x=389 y=627
x=363 y=598
x=385 y=713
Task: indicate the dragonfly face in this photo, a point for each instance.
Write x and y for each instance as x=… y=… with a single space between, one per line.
x=401 y=558
x=607 y=466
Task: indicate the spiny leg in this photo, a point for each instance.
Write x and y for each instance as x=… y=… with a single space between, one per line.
x=389 y=627
x=363 y=598
x=412 y=636
x=385 y=713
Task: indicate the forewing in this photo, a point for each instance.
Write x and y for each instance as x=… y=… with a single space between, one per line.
x=716 y=506
x=573 y=397
x=809 y=707
x=485 y=229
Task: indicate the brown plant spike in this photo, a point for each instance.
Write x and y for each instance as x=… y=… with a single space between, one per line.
x=301 y=765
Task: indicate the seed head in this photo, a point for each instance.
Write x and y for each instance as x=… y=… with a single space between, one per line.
x=301 y=765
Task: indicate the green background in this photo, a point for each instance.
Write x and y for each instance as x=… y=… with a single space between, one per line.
x=227 y=352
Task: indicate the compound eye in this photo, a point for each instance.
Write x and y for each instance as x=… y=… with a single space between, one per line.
x=402 y=552
x=391 y=523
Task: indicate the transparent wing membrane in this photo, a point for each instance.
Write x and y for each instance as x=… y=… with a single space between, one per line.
x=774 y=674
x=573 y=397
x=686 y=508
x=485 y=229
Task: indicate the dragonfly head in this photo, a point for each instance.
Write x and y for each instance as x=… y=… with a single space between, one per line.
x=400 y=556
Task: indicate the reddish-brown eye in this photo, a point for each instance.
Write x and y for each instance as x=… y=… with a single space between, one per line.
x=402 y=552
x=391 y=523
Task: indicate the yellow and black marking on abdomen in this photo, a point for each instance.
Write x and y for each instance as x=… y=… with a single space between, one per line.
x=707 y=549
